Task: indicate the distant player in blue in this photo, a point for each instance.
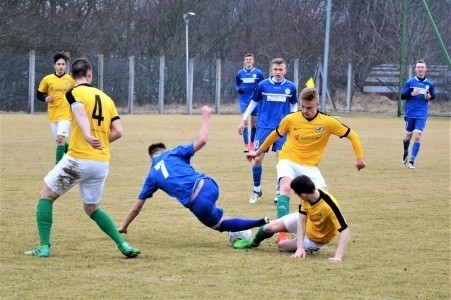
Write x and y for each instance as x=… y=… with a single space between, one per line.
x=246 y=81
x=276 y=97
x=417 y=92
x=172 y=172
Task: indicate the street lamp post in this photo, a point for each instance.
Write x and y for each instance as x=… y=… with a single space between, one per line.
x=188 y=94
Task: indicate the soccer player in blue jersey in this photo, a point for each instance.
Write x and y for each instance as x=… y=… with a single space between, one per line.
x=276 y=97
x=246 y=81
x=172 y=172
x=417 y=92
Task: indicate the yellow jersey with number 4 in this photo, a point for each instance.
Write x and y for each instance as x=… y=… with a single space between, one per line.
x=101 y=112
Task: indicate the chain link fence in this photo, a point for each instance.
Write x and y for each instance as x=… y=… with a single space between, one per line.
x=144 y=86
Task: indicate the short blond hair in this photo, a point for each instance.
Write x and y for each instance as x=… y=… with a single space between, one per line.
x=309 y=94
x=278 y=61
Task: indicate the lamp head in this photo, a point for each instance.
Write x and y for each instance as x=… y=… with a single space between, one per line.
x=187 y=15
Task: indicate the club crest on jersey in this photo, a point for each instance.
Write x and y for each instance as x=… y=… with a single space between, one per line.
x=254 y=75
x=287 y=91
x=319 y=129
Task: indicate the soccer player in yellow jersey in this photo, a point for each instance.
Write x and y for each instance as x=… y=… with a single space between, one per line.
x=52 y=90
x=315 y=225
x=96 y=124
x=308 y=132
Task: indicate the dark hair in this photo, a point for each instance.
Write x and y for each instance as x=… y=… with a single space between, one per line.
x=249 y=54
x=309 y=94
x=302 y=185
x=60 y=55
x=80 y=68
x=155 y=148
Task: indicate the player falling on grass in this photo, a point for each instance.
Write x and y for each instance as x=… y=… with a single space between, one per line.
x=308 y=132
x=96 y=124
x=246 y=81
x=417 y=92
x=315 y=225
x=172 y=172
x=276 y=97
x=52 y=90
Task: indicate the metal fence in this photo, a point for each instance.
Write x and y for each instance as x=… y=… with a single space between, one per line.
x=159 y=86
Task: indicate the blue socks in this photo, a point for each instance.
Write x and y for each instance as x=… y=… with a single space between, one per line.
x=257 y=175
x=238 y=224
x=415 y=149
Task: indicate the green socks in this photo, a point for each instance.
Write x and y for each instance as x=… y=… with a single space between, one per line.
x=283 y=206
x=44 y=219
x=106 y=224
x=60 y=150
x=261 y=235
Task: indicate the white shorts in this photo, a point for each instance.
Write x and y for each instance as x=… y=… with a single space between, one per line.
x=286 y=168
x=291 y=223
x=89 y=174
x=60 y=128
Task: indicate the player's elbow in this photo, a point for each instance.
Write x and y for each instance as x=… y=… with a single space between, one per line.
x=202 y=141
x=119 y=133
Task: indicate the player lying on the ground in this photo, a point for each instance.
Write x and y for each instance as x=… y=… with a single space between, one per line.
x=172 y=172
x=316 y=224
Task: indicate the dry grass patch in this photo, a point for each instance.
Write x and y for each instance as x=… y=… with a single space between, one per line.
x=399 y=220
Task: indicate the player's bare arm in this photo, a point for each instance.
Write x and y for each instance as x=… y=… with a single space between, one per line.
x=345 y=236
x=300 y=251
x=204 y=128
x=116 y=130
x=134 y=211
x=82 y=120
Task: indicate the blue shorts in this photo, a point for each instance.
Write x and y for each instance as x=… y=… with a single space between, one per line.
x=262 y=134
x=204 y=205
x=243 y=106
x=417 y=124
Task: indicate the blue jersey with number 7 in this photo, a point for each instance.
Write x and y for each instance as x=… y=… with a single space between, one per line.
x=172 y=172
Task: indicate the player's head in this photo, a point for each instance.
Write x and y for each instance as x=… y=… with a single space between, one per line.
x=302 y=185
x=60 y=55
x=278 y=69
x=81 y=68
x=249 y=60
x=420 y=68
x=156 y=148
x=309 y=102
x=59 y=62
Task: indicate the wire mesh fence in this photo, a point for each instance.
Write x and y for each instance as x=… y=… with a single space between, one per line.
x=139 y=86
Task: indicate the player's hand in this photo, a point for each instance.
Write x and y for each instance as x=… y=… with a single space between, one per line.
x=300 y=253
x=335 y=258
x=94 y=142
x=427 y=96
x=240 y=91
x=206 y=111
x=251 y=155
x=360 y=164
x=241 y=127
x=122 y=230
x=49 y=99
x=415 y=92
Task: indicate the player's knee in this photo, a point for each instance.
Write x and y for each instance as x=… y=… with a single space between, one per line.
x=60 y=140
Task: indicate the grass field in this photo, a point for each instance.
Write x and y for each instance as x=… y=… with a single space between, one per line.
x=399 y=220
